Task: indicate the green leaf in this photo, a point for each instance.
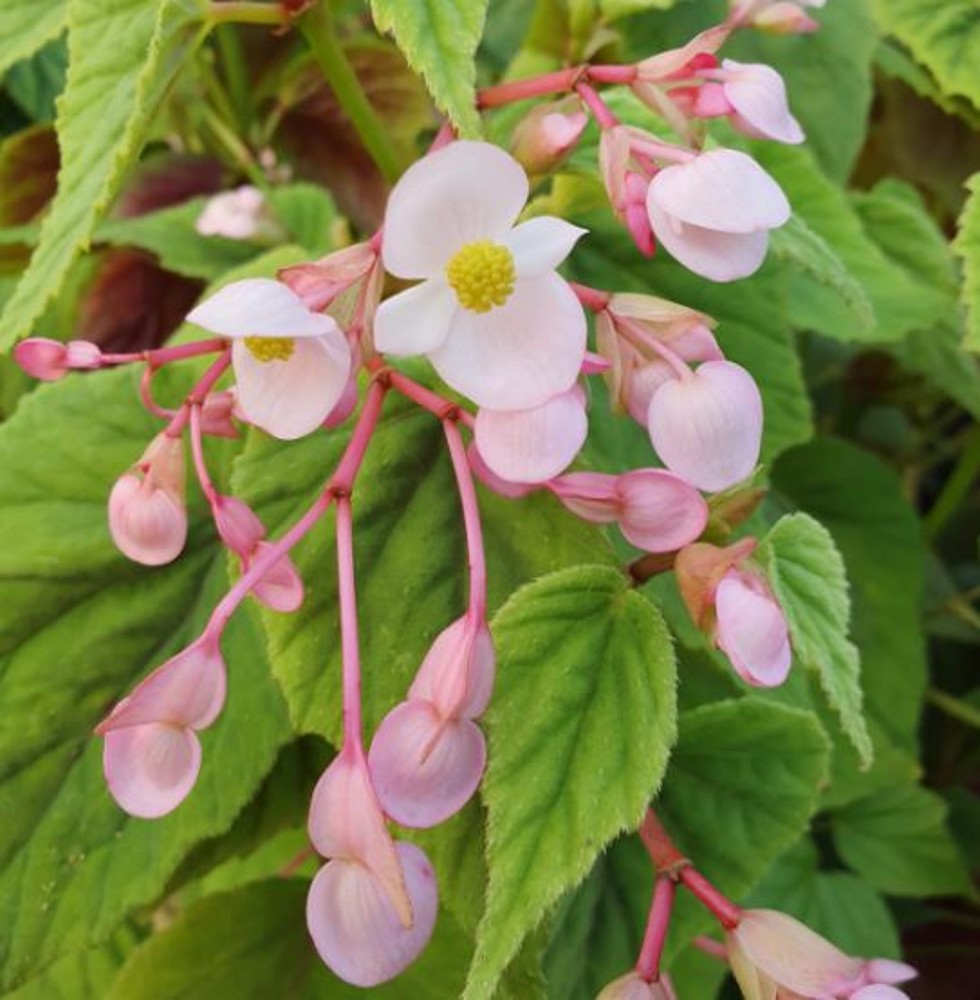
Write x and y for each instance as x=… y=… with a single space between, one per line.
x=79 y=975
x=742 y=784
x=252 y=943
x=34 y=84
x=808 y=577
x=81 y=624
x=410 y=554
x=838 y=905
x=861 y=503
x=967 y=246
x=307 y=212
x=580 y=728
x=25 y=25
x=439 y=40
x=943 y=35
x=897 y=840
x=122 y=56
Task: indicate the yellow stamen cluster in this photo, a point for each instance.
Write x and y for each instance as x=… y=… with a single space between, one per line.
x=482 y=275
x=268 y=349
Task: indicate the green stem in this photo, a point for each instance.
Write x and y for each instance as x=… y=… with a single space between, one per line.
x=955 y=707
x=233 y=65
x=246 y=12
x=957 y=486
x=317 y=26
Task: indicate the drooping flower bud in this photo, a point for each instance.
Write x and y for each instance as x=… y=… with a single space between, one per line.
x=281 y=587
x=633 y=987
x=751 y=629
x=50 y=360
x=322 y=281
x=152 y=754
x=753 y=95
x=625 y=185
x=545 y=137
x=147 y=515
x=787 y=18
x=217 y=413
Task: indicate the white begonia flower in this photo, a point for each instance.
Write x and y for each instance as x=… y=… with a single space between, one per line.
x=499 y=325
x=291 y=365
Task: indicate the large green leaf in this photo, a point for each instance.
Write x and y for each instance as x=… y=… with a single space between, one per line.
x=122 y=56
x=943 y=35
x=898 y=841
x=410 y=555
x=808 y=576
x=439 y=39
x=967 y=246
x=80 y=625
x=25 y=25
x=580 y=729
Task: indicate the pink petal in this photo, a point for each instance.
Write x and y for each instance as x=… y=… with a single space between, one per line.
x=518 y=355
x=425 y=767
x=281 y=588
x=723 y=190
x=42 y=358
x=491 y=480
x=354 y=927
x=660 y=511
x=714 y=255
x=464 y=192
x=758 y=94
x=591 y=495
x=708 y=428
x=752 y=630
x=148 y=524
x=665 y=64
x=541 y=244
x=188 y=690
x=417 y=320
x=259 y=307
x=150 y=769
x=889 y=972
x=291 y=398
x=238 y=525
x=457 y=673
x=531 y=446
x=879 y=992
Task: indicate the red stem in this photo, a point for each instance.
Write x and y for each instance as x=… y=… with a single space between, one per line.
x=536 y=86
x=648 y=962
x=471 y=520
x=197 y=395
x=600 y=110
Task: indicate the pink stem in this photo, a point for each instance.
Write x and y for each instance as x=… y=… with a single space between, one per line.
x=648 y=963
x=198 y=393
x=146 y=395
x=600 y=110
x=613 y=74
x=197 y=451
x=536 y=86
x=660 y=150
x=164 y=355
x=711 y=947
x=350 y=652
x=471 y=520
x=642 y=338
x=594 y=299
x=722 y=908
x=438 y=406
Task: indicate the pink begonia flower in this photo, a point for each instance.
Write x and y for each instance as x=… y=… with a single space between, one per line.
x=237 y=215
x=354 y=926
x=497 y=322
x=152 y=754
x=707 y=427
x=751 y=629
x=545 y=137
x=50 y=360
x=656 y=510
x=147 y=514
x=753 y=96
x=772 y=954
x=428 y=755
x=490 y=479
x=626 y=185
x=633 y=987
x=291 y=365
x=531 y=446
x=714 y=212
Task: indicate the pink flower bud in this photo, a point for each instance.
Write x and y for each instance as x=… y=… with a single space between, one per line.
x=49 y=360
x=679 y=62
x=711 y=101
x=457 y=673
x=626 y=187
x=751 y=629
x=238 y=525
x=217 y=413
x=633 y=987
x=147 y=516
x=281 y=587
x=356 y=929
x=319 y=283
x=786 y=18
x=543 y=139
x=152 y=754
x=700 y=568
x=756 y=99
x=714 y=212
x=708 y=427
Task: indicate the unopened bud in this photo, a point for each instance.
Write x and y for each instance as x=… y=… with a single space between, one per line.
x=217 y=413
x=544 y=139
x=785 y=18
x=49 y=360
x=322 y=281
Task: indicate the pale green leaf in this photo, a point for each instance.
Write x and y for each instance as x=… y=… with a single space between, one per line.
x=439 y=40
x=967 y=246
x=25 y=25
x=122 y=56
x=807 y=574
x=580 y=728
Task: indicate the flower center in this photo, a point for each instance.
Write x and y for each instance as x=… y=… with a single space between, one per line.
x=482 y=275
x=268 y=349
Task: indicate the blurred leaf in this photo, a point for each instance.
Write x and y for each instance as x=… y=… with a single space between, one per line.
x=967 y=246
x=25 y=25
x=35 y=83
x=439 y=39
x=132 y=43
x=79 y=975
x=28 y=168
x=308 y=213
x=898 y=842
x=580 y=729
x=808 y=577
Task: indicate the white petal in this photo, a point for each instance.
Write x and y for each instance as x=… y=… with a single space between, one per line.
x=722 y=189
x=463 y=192
x=259 y=307
x=712 y=254
x=291 y=398
x=417 y=320
x=520 y=354
x=758 y=94
x=541 y=244
x=531 y=446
